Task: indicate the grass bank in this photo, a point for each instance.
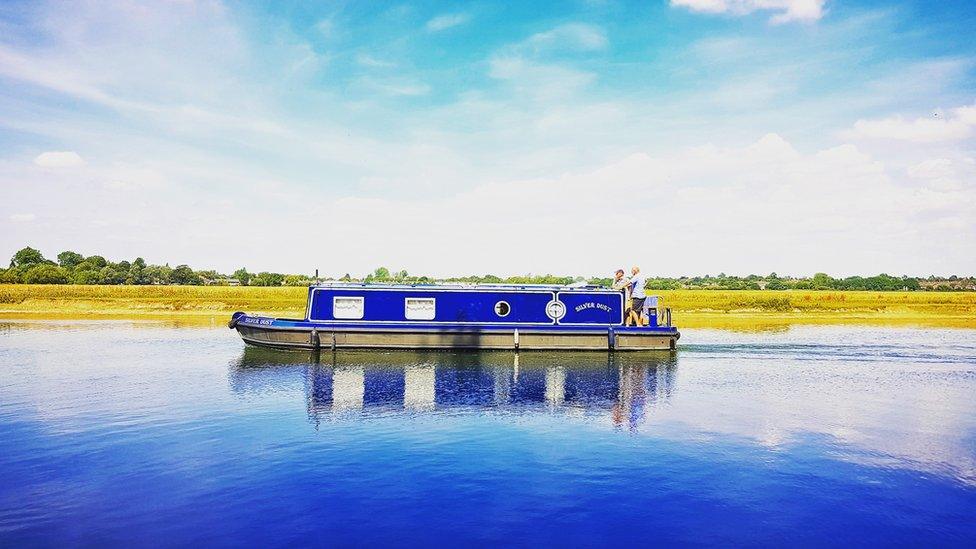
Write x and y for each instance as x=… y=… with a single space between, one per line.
x=44 y=299
x=692 y=308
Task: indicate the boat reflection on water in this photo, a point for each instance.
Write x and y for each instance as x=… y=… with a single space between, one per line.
x=623 y=386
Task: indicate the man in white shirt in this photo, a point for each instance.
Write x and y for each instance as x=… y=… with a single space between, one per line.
x=637 y=295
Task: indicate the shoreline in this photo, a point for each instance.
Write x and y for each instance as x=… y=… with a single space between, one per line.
x=733 y=309
x=733 y=320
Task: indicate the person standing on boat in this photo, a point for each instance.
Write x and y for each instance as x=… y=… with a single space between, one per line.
x=637 y=295
x=622 y=284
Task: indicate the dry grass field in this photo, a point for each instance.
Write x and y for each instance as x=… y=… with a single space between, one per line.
x=753 y=309
x=691 y=307
x=154 y=300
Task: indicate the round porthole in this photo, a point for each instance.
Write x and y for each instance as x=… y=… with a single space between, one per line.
x=502 y=308
x=555 y=310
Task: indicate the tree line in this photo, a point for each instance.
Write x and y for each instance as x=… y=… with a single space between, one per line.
x=29 y=266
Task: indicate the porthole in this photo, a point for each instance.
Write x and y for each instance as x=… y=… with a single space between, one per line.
x=502 y=308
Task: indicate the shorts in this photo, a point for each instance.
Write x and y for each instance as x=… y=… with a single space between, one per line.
x=637 y=304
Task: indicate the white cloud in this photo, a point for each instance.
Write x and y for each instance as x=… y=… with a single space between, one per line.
x=23 y=217
x=936 y=168
x=122 y=177
x=368 y=60
x=785 y=10
x=939 y=127
x=571 y=36
x=945 y=173
x=966 y=115
x=446 y=21
x=59 y=159
x=113 y=55
x=754 y=207
x=326 y=27
x=528 y=67
x=537 y=80
x=396 y=87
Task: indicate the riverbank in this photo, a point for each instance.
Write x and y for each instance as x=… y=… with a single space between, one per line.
x=692 y=308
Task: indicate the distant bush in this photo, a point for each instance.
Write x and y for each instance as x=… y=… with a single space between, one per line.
x=267 y=279
x=10 y=276
x=46 y=274
x=74 y=268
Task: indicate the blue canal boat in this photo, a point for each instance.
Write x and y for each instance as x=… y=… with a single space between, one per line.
x=531 y=317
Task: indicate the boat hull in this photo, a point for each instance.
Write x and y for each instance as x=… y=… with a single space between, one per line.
x=296 y=334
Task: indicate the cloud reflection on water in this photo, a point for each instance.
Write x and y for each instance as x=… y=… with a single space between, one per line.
x=889 y=398
x=618 y=387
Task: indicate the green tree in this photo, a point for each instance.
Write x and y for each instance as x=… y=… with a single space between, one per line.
x=775 y=284
x=87 y=265
x=658 y=284
x=46 y=274
x=381 y=273
x=297 y=280
x=243 y=276
x=157 y=274
x=10 y=276
x=27 y=257
x=910 y=283
x=69 y=259
x=110 y=275
x=822 y=281
x=184 y=276
x=267 y=279
x=96 y=260
x=209 y=277
x=86 y=277
x=137 y=272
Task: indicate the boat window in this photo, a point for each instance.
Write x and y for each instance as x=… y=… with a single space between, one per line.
x=419 y=308
x=349 y=308
x=502 y=308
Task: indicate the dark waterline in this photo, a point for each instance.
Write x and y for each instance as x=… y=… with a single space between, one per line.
x=122 y=433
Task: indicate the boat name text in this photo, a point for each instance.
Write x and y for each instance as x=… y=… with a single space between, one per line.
x=262 y=321
x=592 y=305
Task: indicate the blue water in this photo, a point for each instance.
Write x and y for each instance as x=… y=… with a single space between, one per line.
x=149 y=434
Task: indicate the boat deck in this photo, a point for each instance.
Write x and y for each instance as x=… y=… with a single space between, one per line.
x=302 y=334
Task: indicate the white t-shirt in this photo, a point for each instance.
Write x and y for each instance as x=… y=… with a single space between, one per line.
x=637 y=282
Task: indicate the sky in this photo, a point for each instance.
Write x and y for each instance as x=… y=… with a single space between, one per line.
x=686 y=136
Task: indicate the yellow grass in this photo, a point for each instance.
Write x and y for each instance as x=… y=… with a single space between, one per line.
x=754 y=309
x=692 y=308
x=45 y=299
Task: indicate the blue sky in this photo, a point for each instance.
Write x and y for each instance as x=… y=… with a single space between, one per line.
x=690 y=136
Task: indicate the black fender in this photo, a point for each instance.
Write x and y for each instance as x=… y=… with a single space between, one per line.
x=234 y=319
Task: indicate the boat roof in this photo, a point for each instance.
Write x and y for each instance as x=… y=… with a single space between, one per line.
x=463 y=286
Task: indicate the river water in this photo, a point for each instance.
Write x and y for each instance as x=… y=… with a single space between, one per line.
x=152 y=434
